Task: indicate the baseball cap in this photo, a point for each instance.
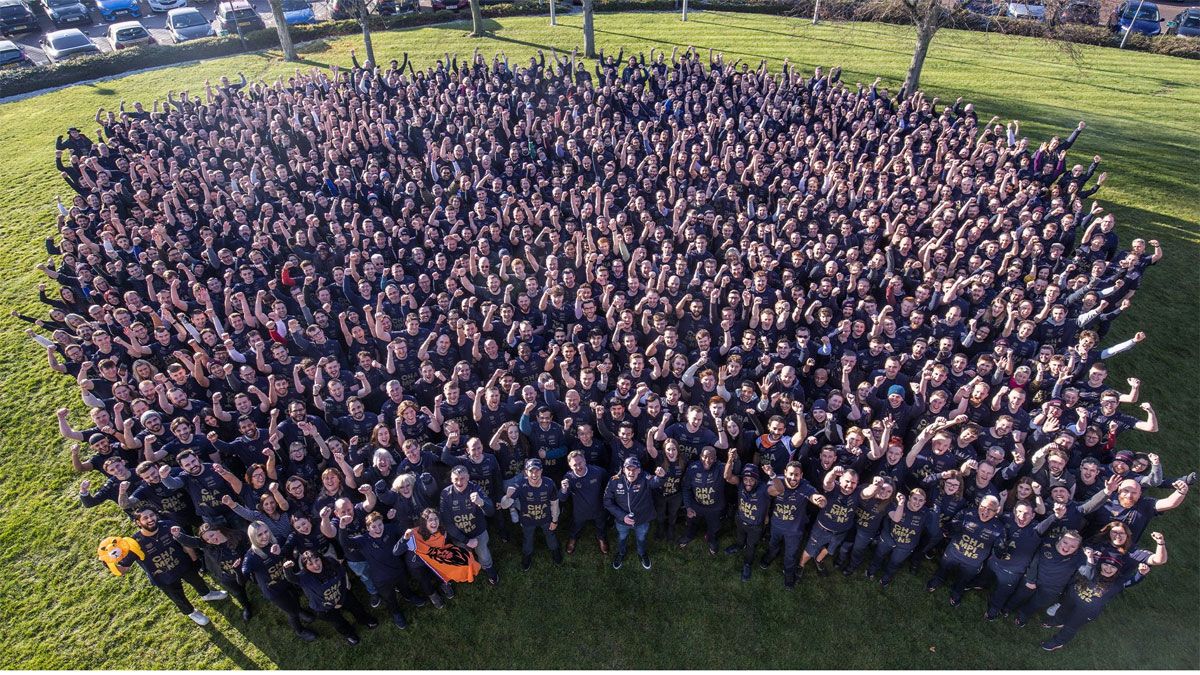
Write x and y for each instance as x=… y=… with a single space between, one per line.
x=1123 y=456
x=631 y=462
x=750 y=471
x=533 y=463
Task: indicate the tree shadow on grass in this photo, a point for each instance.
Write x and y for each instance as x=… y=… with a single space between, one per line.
x=937 y=55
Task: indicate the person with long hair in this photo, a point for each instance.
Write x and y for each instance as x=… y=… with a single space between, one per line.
x=264 y=563
x=327 y=587
x=433 y=560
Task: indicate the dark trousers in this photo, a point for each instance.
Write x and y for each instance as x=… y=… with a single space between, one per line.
x=859 y=548
x=528 y=530
x=747 y=537
x=1007 y=582
x=581 y=520
x=174 y=590
x=889 y=557
x=1075 y=616
x=667 y=513
x=961 y=572
x=1027 y=601
x=289 y=603
x=418 y=571
x=711 y=519
x=790 y=543
x=337 y=616
x=388 y=587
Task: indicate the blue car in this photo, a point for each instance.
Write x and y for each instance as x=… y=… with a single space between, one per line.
x=297 y=12
x=1128 y=17
x=111 y=9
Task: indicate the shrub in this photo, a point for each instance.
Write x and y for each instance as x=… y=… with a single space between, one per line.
x=24 y=80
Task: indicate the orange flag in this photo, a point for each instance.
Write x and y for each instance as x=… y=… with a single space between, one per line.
x=448 y=560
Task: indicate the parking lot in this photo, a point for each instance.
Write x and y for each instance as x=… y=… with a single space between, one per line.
x=153 y=21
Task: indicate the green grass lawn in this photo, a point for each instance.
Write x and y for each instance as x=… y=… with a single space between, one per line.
x=60 y=609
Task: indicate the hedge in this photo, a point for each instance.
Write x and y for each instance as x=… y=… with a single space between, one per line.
x=30 y=79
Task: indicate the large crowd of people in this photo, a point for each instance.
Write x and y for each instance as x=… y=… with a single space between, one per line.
x=355 y=327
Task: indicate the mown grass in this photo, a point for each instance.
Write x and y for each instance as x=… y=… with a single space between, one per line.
x=60 y=609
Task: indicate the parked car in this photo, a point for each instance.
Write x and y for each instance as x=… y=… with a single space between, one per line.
x=984 y=7
x=187 y=23
x=111 y=9
x=128 y=34
x=11 y=54
x=165 y=5
x=64 y=12
x=63 y=44
x=16 y=17
x=1026 y=9
x=1186 y=23
x=1080 y=11
x=382 y=7
x=1128 y=16
x=297 y=12
x=233 y=14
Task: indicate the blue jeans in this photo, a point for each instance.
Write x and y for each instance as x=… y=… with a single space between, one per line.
x=359 y=567
x=639 y=533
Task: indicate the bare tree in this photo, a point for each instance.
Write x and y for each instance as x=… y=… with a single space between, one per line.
x=281 y=27
x=589 y=29
x=477 y=19
x=928 y=17
x=364 y=19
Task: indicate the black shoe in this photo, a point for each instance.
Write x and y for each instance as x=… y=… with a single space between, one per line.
x=372 y=623
x=1052 y=626
x=789 y=582
x=799 y=573
x=447 y=591
x=1020 y=622
x=645 y=562
x=306 y=635
x=1052 y=646
x=436 y=601
x=870 y=574
x=712 y=549
x=955 y=600
x=416 y=601
x=991 y=615
x=246 y=614
x=352 y=640
x=885 y=581
x=684 y=542
x=376 y=601
x=822 y=569
x=846 y=571
x=746 y=572
x=932 y=586
x=732 y=549
x=620 y=558
x=305 y=616
x=526 y=563
x=557 y=556
x=399 y=620
x=493 y=576
x=765 y=562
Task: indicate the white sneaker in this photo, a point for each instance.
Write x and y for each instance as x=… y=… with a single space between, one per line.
x=213 y=596
x=1053 y=609
x=199 y=618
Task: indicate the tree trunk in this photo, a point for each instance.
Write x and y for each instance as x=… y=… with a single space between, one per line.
x=925 y=32
x=364 y=19
x=285 y=35
x=476 y=19
x=589 y=29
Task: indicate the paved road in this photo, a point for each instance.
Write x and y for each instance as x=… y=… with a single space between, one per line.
x=153 y=21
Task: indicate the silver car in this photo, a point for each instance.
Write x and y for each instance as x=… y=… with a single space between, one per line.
x=63 y=44
x=187 y=23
